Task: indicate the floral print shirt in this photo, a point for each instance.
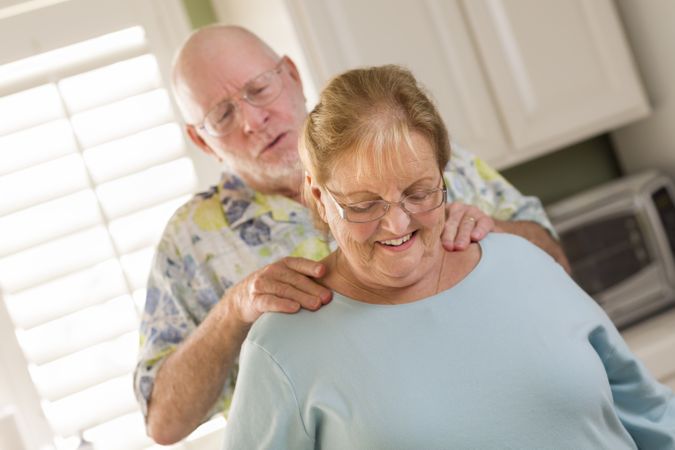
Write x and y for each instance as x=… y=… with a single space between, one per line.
x=222 y=235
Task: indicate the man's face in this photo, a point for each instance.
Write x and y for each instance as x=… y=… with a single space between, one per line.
x=262 y=147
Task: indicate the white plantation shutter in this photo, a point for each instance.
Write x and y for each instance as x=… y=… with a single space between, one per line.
x=92 y=164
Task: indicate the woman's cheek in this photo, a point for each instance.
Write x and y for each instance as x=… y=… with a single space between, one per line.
x=362 y=232
x=432 y=226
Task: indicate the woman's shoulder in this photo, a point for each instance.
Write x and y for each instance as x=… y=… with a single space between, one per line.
x=509 y=256
x=276 y=333
x=506 y=245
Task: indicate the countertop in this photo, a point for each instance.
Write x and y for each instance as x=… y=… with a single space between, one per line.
x=653 y=341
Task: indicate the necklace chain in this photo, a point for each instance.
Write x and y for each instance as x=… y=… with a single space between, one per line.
x=440 y=272
x=358 y=288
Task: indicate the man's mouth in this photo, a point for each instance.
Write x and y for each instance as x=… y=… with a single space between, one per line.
x=397 y=242
x=272 y=144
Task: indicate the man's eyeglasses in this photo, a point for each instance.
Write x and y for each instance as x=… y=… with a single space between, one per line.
x=259 y=91
x=369 y=211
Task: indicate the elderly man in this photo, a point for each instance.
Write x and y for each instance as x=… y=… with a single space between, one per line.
x=248 y=246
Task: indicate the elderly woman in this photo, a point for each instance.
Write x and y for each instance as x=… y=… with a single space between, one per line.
x=494 y=347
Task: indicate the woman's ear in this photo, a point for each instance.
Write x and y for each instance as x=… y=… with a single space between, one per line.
x=316 y=196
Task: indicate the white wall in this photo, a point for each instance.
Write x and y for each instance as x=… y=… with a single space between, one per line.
x=650 y=143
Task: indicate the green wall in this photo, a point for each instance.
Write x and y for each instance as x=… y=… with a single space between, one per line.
x=200 y=12
x=567 y=171
x=550 y=177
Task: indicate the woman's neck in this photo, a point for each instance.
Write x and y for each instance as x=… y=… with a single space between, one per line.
x=342 y=278
x=448 y=268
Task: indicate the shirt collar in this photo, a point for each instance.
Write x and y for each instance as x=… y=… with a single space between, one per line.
x=241 y=203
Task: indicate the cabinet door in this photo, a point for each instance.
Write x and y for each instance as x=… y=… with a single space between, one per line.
x=429 y=37
x=559 y=70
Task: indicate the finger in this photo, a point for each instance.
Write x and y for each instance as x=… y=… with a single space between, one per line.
x=454 y=212
x=305 y=266
x=484 y=225
x=293 y=286
x=271 y=303
x=272 y=295
x=463 y=238
x=287 y=274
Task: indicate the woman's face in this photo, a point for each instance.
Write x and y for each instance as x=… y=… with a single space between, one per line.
x=397 y=250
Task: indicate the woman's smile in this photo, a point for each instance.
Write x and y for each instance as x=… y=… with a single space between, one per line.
x=398 y=244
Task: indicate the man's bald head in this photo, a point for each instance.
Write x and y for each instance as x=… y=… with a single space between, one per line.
x=213 y=66
x=199 y=64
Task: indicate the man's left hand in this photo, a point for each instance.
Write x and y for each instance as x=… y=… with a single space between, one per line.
x=464 y=224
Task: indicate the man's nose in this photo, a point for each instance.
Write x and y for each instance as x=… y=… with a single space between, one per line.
x=253 y=118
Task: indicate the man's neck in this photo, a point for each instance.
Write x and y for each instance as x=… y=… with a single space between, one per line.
x=289 y=188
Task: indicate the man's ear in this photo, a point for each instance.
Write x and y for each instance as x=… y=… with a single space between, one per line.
x=293 y=71
x=200 y=142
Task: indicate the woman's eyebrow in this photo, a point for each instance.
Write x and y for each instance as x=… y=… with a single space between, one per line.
x=366 y=192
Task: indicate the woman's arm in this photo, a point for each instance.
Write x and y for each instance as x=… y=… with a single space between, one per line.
x=645 y=407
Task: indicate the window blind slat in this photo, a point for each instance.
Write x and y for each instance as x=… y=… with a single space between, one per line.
x=122 y=118
x=39 y=224
x=80 y=330
x=30 y=108
x=36 y=145
x=136 y=267
x=41 y=183
x=110 y=83
x=72 y=59
x=149 y=187
x=66 y=295
x=92 y=406
x=144 y=228
x=125 y=432
x=46 y=262
x=86 y=368
x=134 y=153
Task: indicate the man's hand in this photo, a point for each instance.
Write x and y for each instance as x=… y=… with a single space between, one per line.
x=284 y=286
x=464 y=224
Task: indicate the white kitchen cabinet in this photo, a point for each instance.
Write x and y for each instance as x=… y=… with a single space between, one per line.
x=428 y=37
x=559 y=70
x=513 y=78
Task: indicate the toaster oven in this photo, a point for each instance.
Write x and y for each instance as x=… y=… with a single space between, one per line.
x=620 y=240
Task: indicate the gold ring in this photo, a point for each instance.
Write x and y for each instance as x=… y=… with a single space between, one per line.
x=471 y=219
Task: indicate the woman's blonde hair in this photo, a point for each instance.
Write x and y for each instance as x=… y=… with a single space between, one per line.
x=367 y=114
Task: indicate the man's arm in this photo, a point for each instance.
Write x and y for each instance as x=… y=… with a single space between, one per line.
x=191 y=378
x=538 y=235
x=471 y=180
x=466 y=224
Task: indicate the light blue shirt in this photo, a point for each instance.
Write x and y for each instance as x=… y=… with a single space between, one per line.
x=515 y=356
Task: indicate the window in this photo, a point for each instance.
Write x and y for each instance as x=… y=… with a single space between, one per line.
x=92 y=164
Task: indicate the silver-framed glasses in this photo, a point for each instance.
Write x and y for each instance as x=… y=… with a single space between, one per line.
x=259 y=91
x=416 y=202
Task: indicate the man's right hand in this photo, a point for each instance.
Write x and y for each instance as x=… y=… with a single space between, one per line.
x=284 y=286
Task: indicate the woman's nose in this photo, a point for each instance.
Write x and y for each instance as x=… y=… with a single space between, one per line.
x=396 y=220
